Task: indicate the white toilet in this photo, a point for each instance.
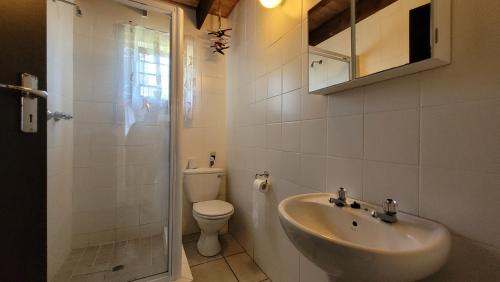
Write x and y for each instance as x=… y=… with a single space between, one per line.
x=202 y=187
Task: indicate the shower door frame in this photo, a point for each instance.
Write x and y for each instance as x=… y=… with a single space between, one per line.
x=174 y=243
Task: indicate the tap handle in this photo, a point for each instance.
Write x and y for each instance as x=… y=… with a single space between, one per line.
x=390 y=206
x=342 y=193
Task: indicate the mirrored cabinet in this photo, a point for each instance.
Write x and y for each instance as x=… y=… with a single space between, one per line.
x=358 y=42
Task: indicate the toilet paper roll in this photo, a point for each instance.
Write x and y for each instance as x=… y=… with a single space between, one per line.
x=261 y=185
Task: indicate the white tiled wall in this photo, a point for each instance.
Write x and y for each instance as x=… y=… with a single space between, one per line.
x=207 y=130
x=430 y=140
x=120 y=176
x=59 y=134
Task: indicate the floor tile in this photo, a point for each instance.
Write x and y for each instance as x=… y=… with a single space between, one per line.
x=213 y=271
x=245 y=269
x=229 y=245
x=195 y=258
x=190 y=237
x=86 y=264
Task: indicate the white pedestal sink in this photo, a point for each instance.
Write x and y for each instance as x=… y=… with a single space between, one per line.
x=351 y=245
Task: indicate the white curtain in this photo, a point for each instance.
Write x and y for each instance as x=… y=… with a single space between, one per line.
x=144 y=82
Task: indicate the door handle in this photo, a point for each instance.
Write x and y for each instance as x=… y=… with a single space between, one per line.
x=38 y=93
x=29 y=101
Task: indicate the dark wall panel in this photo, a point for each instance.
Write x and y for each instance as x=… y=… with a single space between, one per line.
x=22 y=156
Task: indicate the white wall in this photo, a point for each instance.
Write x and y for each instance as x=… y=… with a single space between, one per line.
x=430 y=140
x=59 y=134
x=121 y=176
x=207 y=130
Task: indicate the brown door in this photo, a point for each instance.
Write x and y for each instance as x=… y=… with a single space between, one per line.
x=23 y=156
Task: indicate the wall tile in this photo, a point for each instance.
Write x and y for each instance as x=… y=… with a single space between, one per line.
x=349 y=102
x=273 y=136
x=274 y=56
x=345 y=136
x=260 y=112
x=313 y=136
x=396 y=94
x=290 y=164
x=292 y=73
x=313 y=106
x=273 y=163
x=313 y=172
x=273 y=109
x=291 y=136
x=260 y=136
x=291 y=105
x=274 y=81
x=292 y=42
x=261 y=88
x=392 y=136
x=462 y=136
x=443 y=190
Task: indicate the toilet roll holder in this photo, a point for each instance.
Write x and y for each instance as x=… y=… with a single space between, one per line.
x=264 y=175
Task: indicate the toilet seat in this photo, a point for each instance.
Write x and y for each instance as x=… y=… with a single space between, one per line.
x=213 y=209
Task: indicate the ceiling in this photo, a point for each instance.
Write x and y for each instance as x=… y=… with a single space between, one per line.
x=226 y=6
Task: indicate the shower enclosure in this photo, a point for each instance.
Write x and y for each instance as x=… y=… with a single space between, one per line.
x=125 y=79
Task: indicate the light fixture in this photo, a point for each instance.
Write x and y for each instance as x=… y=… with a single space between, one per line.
x=270 y=3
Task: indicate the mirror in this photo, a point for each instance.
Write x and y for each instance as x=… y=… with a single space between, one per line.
x=358 y=42
x=392 y=36
x=329 y=25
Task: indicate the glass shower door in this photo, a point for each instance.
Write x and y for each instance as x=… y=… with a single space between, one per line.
x=122 y=140
x=143 y=69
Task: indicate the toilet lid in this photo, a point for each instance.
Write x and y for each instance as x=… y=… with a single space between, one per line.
x=213 y=208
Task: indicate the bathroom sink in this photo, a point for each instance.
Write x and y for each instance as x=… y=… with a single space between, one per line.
x=351 y=245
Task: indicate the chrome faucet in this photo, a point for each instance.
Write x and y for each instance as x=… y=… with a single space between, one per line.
x=390 y=208
x=342 y=198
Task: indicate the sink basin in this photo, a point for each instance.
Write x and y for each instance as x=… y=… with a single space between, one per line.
x=351 y=245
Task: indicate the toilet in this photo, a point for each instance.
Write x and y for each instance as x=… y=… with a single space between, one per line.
x=202 y=187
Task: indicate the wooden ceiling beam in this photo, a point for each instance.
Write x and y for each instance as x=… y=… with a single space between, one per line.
x=224 y=6
x=342 y=20
x=202 y=11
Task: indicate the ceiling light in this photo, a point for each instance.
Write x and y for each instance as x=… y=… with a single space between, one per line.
x=270 y=3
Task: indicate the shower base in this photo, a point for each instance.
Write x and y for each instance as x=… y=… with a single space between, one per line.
x=119 y=261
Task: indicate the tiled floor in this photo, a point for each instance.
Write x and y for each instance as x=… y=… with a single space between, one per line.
x=139 y=257
x=232 y=265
